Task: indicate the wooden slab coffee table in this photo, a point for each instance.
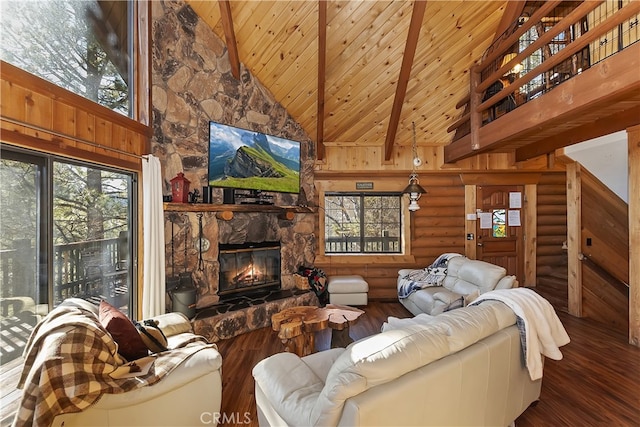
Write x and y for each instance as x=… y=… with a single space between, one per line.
x=296 y=326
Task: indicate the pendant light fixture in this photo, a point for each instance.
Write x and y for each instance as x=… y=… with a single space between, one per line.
x=414 y=189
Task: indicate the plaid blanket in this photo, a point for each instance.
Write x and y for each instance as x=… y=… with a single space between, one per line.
x=68 y=359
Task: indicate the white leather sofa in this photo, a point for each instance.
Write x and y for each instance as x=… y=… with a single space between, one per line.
x=465 y=280
x=463 y=367
x=189 y=395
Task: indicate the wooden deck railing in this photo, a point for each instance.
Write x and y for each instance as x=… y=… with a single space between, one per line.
x=383 y=244
x=79 y=269
x=540 y=52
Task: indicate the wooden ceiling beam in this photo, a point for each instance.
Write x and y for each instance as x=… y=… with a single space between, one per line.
x=417 y=16
x=230 y=37
x=512 y=11
x=322 y=64
x=600 y=127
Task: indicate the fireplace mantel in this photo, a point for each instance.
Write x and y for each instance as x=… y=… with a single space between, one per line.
x=226 y=212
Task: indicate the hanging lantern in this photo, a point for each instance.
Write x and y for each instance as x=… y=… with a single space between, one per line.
x=180 y=188
x=414 y=189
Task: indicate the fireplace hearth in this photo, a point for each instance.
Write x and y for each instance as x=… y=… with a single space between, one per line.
x=248 y=269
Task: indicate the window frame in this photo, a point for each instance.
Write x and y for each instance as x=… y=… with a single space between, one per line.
x=324 y=186
x=45 y=162
x=361 y=214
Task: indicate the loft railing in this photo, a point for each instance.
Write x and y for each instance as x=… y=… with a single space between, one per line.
x=539 y=52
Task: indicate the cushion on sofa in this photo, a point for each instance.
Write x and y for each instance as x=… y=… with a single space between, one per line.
x=507 y=282
x=474 y=323
x=376 y=360
x=465 y=275
x=291 y=385
x=123 y=332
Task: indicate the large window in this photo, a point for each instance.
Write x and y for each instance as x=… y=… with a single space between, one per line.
x=83 y=46
x=66 y=230
x=362 y=223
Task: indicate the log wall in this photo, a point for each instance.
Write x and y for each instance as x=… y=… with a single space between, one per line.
x=551 y=258
x=437 y=227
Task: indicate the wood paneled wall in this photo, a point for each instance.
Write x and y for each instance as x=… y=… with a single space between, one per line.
x=39 y=115
x=605 y=223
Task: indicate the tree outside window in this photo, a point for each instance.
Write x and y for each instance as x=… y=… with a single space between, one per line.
x=80 y=45
x=362 y=223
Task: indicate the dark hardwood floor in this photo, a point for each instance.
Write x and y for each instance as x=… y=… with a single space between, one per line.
x=596 y=384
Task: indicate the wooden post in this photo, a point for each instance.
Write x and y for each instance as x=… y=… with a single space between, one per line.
x=574 y=226
x=530 y=234
x=24 y=279
x=475 y=99
x=634 y=235
x=470 y=249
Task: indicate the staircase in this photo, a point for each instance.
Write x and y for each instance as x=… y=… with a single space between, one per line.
x=553 y=287
x=603 y=247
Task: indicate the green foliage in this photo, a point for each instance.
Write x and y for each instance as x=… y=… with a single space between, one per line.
x=289 y=181
x=89 y=203
x=56 y=40
x=18 y=207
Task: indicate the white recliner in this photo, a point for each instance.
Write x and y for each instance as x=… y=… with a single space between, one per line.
x=465 y=280
x=179 y=386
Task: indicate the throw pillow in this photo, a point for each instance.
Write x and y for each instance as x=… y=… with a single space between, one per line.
x=123 y=332
x=152 y=335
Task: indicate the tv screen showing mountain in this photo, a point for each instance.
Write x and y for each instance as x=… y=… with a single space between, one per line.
x=240 y=158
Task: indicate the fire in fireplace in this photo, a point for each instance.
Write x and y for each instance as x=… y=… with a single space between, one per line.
x=245 y=268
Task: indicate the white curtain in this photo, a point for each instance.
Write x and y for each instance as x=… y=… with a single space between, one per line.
x=153 y=286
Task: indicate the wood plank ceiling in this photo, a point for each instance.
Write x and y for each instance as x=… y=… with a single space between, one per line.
x=365 y=94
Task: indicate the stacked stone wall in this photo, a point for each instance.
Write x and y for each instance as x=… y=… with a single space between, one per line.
x=192 y=84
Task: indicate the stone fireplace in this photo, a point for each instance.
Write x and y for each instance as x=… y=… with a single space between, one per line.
x=247 y=268
x=192 y=84
x=247 y=272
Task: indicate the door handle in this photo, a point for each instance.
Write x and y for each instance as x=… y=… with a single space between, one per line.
x=480 y=244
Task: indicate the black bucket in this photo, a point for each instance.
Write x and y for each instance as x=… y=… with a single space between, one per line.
x=184 y=300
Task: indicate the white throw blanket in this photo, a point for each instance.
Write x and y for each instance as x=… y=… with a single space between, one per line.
x=544 y=333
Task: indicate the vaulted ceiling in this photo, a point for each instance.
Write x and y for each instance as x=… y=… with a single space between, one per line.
x=360 y=72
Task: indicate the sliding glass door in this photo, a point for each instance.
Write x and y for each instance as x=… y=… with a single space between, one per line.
x=66 y=230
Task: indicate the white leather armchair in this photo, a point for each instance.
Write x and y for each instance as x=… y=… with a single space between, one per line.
x=190 y=395
x=188 y=392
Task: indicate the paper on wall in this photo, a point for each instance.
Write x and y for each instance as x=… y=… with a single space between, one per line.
x=485 y=219
x=515 y=200
x=513 y=218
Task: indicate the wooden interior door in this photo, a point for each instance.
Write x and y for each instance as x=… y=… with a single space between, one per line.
x=499 y=227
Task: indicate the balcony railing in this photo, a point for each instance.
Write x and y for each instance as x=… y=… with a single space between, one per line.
x=89 y=269
x=385 y=244
x=541 y=51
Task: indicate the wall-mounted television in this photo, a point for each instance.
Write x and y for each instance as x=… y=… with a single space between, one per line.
x=244 y=159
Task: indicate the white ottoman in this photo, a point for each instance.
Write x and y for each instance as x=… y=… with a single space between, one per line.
x=347 y=290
